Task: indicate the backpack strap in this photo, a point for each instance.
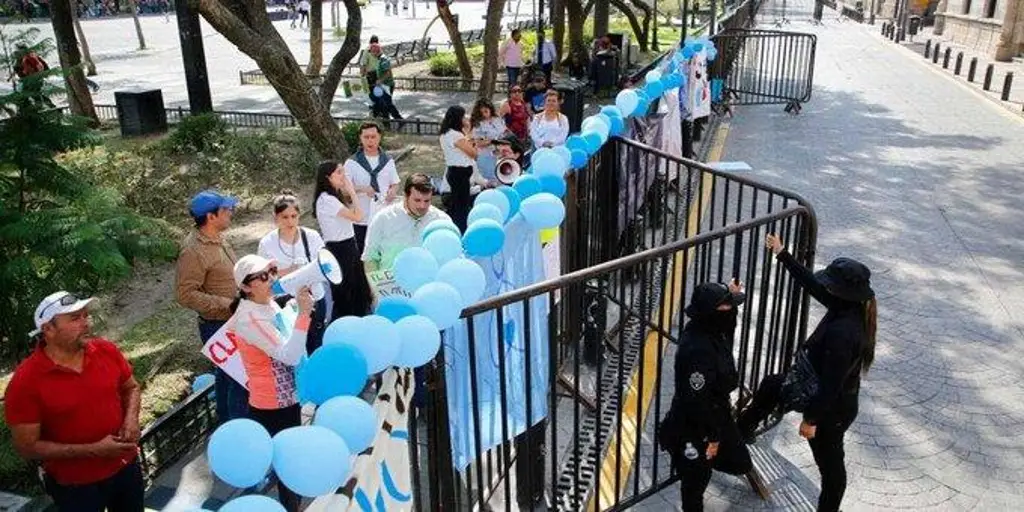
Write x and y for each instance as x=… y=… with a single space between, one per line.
x=305 y=243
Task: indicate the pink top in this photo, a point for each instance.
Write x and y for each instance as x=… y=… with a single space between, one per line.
x=270 y=351
x=512 y=54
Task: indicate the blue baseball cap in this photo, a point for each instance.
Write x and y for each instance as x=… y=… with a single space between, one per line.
x=209 y=201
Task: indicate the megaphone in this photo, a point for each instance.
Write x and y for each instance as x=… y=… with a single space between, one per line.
x=313 y=274
x=507 y=170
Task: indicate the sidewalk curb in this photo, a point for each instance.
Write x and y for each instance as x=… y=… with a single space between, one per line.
x=1004 y=106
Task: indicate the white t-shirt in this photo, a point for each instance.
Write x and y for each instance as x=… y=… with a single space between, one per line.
x=333 y=227
x=553 y=132
x=290 y=255
x=453 y=156
x=304 y=5
x=360 y=177
x=393 y=230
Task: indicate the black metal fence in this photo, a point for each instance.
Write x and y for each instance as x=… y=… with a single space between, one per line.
x=761 y=67
x=176 y=433
x=642 y=229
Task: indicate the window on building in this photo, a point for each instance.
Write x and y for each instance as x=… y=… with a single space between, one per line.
x=990 y=9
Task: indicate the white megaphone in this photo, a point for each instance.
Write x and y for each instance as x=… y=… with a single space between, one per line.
x=313 y=274
x=507 y=170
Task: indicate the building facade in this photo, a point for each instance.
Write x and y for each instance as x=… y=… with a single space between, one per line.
x=995 y=27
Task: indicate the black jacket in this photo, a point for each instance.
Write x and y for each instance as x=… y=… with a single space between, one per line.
x=705 y=374
x=834 y=348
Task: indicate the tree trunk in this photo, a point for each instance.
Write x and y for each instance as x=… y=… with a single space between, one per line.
x=577 y=47
x=634 y=23
x=316 y=37
x=334 y=13
x=453 y=33
x=348 y=50
x=601 y=16
x=79 y=99
x=589 y=6
x=90 y=68
x=558 y=28
x=492 y=34
x=133 y=5
x=248 y=27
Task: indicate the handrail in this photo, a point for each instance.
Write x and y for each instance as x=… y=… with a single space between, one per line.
x=581 y=276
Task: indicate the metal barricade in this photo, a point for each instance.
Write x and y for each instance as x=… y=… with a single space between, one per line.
x=764 y=67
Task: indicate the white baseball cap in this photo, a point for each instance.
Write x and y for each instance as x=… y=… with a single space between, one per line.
x=249 y=265
x=59 y=303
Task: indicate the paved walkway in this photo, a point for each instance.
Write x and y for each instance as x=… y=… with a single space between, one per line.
x=920 y=179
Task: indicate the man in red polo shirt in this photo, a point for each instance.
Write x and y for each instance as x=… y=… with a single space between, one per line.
x=73 y=405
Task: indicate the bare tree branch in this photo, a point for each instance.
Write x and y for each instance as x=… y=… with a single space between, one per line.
x=348 y=50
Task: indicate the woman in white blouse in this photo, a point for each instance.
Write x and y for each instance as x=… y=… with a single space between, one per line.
x=460 y=153
x=550 y=128
x=487 y=127
x=335 y=211
x=292 y=246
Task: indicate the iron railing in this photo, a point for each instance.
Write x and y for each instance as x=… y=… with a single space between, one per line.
x=763 y=67
x=177 y=432
x=642 y=229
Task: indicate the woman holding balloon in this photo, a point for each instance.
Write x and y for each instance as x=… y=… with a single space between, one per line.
x=336 y=210
x=550 y=128
x=270 y=350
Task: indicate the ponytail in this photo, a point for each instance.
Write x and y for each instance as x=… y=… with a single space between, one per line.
x=870 y=328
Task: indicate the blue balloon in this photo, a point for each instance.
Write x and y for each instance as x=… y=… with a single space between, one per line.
x=526 y=185
x=483 y=211
x=712 y=54
x=394 y=307
x=414 y=267
x=579 y=159
x=466 y=277
x=565 y=153
x=252 y=503
x=443 y=245
x=627 y=101
x=332 y=370
x=439 y=302
x=201 y=382
x=377 y=341
x=697 y=47
x=483 y=238
x=546 y=161
x=594 y=142
x=600 y=124
x=495 y=198
x=618 y=126
x=575 y=142
x=351 y=418
x=420 y=341
x=554 y=185
x=311 y=460
x=343 y=330
x=543 y=211
x=240 y=452
x=687 y=53
x=611 y=111
x=654 y=89
x=437 y=225
x=513 y=200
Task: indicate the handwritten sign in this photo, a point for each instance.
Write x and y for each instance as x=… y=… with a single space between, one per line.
x=223 y=347
x=384 y=285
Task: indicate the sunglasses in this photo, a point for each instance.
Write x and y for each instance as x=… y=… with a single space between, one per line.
x=261 y=276
x=65 y=301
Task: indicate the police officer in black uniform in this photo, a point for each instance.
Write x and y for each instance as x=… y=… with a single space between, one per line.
x=699 y=432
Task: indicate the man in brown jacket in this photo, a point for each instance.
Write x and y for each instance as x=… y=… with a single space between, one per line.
x=206 y=285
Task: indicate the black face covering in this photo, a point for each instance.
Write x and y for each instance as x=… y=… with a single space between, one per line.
x=723 y=321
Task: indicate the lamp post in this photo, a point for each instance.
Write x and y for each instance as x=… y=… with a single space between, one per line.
x=654 y=37
x=685 y=10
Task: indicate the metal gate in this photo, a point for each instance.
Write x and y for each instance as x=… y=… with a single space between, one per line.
x=764 y=67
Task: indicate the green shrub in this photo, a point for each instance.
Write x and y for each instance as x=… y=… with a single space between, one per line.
x=444 y=64
x=198 y=133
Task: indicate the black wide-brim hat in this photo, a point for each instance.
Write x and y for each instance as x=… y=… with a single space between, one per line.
x=847 y=279
x=708 y=296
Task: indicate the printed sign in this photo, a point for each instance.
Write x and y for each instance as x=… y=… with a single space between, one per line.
x=222 y=347
x=384 y=285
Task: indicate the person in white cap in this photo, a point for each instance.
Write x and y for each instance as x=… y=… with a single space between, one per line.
x=270 y=350
x=73 y=405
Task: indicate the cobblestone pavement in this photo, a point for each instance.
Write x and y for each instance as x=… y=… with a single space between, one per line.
x=919 y=178
x=122 y=66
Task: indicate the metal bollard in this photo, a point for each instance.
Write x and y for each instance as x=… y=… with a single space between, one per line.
x=987 y=84
x=959 y=63
x=928 y=49
x=935 y=56
x=1007 y=84
x=972 y=68
x=945 y=58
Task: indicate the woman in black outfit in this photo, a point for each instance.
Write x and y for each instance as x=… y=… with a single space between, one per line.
x=460 y=154
x=841 y=348
x=335 y=211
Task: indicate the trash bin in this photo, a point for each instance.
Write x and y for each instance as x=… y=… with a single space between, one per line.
x=573 y=98
x=141 y=112
x=915 y=25
x=605 y=70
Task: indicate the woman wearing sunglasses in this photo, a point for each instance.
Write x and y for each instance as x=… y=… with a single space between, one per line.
x=270 y=349
x=516 y=112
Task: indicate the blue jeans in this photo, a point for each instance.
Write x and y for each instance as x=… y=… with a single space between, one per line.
x=513 y=76
x=232 y=397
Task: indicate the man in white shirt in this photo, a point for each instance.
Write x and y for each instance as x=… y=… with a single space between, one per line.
x=546 y=55
x=400 y=225
x=374 y=176
x=511 y=56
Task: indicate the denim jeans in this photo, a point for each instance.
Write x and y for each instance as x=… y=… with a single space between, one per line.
x=513 y=76
x=232 y=397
